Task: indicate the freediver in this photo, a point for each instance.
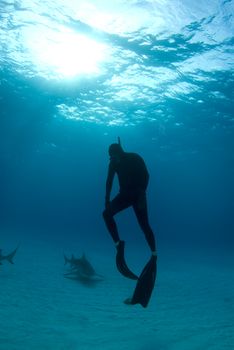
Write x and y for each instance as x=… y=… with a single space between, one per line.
x=133 y=180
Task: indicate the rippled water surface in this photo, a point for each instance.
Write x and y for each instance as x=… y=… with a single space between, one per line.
x=124 y=62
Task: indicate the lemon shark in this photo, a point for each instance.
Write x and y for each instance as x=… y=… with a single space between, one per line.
x=81 y=270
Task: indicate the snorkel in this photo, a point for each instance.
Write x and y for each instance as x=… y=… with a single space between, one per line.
x=120 y=145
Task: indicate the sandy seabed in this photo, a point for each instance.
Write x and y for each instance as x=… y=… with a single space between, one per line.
x=192 y=307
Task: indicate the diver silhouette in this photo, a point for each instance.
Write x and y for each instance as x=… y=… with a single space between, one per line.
x=133 y=180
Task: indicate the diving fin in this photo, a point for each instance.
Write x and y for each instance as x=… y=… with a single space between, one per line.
x=121 y=263
x=145 y=284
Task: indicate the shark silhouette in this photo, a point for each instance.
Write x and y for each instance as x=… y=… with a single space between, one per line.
x=8 y=257
x=81 y=270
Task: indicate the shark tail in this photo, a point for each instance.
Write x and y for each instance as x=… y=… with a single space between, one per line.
x=10 y=257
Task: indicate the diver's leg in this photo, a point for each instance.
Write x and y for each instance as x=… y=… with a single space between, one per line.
x=146 y=280
x=140 y=209
x=118 y=204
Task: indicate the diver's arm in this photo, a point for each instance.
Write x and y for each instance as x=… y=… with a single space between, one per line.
x=144 y=175
x=109 y=182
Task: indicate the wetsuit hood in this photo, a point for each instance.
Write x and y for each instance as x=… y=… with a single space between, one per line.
x=115 y=149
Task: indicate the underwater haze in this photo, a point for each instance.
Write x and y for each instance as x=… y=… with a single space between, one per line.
x=74 y=76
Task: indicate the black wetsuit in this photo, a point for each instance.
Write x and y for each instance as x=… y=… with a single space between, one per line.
x=133 y=180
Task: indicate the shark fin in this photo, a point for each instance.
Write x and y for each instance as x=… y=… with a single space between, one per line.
x=83 y=257
x=66 y=260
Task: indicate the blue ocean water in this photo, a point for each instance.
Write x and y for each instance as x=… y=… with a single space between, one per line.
x=75 y=75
